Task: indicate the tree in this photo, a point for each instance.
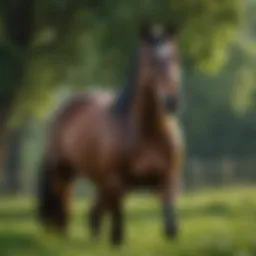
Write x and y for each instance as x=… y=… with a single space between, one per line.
x=221 y=120
x=37 y=35
x=46 y=40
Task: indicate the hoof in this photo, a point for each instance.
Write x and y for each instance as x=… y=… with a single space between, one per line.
x=116 y=242
x=172 y=232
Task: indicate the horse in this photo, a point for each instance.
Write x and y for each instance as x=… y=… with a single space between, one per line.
x=119 y=143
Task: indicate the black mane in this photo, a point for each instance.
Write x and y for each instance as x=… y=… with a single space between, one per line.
x=124 y=99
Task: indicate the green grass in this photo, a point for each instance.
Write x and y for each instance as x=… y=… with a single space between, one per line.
x=213 y=223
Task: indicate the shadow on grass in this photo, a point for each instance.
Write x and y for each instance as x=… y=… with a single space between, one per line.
x=216 y=209
x=19 y=244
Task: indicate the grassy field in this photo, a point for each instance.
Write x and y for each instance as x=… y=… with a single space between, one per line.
x=214 y=223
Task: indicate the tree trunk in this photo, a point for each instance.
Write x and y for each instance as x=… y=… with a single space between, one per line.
x=18 y=19
x=13 y=157
x=2 y=143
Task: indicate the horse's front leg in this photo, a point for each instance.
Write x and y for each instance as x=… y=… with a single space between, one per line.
x=169 y=190
x=169 y=214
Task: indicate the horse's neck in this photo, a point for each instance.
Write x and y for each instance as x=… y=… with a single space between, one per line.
x=148 y=114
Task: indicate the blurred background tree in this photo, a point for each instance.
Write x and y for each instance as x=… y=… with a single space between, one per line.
x=50 y=48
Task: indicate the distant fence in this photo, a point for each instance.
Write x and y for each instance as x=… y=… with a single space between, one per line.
x=199 y=173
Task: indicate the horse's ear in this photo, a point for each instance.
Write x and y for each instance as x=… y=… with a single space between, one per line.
x=145 y=31
x=171 y=30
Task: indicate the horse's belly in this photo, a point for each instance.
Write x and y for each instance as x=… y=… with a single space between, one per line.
x=151 y=181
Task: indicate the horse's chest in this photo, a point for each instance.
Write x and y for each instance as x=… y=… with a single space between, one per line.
x=150 y=161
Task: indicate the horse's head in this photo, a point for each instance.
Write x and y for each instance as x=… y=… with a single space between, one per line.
x=159 y=64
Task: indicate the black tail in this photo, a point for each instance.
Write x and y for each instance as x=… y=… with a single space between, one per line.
x=46 y=197
x=53 y=200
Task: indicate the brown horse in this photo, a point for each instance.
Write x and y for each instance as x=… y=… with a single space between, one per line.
x=119 y=143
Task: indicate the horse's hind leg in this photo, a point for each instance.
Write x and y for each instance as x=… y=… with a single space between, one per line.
x=63 y=185
x=54 y=191
x=108 y=202
x=114 y=196
x=117 y=231
x=109 y=199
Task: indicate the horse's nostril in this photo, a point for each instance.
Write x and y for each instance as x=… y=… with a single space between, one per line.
x=171 y=103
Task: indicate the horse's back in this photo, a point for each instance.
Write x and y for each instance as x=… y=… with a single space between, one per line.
x=81 y=100
x=84 y=132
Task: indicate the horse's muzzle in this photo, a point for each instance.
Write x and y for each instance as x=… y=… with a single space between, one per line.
x=171 y=103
